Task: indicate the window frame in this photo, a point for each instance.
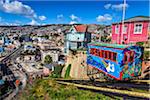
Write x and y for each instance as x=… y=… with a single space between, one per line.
x=113 y=56
x=116 y=28
x=128 y=58
x=126 y=29
x=104 y=54
x=138 y=29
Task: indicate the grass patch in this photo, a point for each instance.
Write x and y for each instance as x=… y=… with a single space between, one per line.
x=50 y=90
x=67 y=74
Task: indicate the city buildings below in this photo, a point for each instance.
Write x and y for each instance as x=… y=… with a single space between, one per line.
x=48 y=69
x=135 y=29
x=54 y=53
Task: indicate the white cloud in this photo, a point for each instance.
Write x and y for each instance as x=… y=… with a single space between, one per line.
x=16 y=7
x=116 y=6
x=60 y=16
x=104 y=18
x=33 y=22
x=119 y=6
x=73 y=22
x=73 y=17
x=42 y=18
x=107 y=6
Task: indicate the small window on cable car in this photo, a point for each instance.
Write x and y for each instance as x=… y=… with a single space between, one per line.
x=125 y=58
x=100 y=53
x=109 y=55
x=103 y=53
x=91 y=51
x=114 y=56
x=95 y=51
x=131 y=56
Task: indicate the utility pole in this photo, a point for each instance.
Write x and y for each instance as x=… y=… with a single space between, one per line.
x=123 y=17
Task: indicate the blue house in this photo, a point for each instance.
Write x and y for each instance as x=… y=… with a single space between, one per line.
x=5 y=40
x=77 y=37
x=1 y=51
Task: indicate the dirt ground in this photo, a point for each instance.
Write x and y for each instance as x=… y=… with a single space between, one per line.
x=78 y=65
x=145 y=69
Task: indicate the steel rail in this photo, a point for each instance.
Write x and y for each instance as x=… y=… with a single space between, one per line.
x=108 y=89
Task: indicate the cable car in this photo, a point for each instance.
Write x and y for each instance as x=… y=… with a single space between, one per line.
x=120 y=62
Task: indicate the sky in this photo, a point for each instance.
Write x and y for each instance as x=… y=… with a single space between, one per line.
x=41 y=12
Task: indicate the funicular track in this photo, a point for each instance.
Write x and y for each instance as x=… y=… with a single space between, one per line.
x=130 y=90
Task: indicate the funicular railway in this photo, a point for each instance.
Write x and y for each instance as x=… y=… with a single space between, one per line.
x=114 y=69
x=137 y=89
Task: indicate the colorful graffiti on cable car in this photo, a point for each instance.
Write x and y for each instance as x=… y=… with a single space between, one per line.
x=117 y=61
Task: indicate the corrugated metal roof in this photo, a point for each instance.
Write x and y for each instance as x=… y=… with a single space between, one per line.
x=136 y=19
x=110 y=45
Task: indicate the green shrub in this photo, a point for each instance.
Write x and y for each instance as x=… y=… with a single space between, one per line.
x=57 y=71
x=146 y=55
x=67 y=74
x=48 y=59
x=50 y=90
x=140 y=43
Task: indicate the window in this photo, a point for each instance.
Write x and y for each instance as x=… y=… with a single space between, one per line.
x=131 y=56
x=138 y=28
x=97 y=52
x=148 y=27
x=128 y=57
x=92 y=51
x=106 y=54
x=100 y=53
x=103 y=53
x=125 y=29
x=125 y=59
x=114 y=56
x=109 y=55
x=117 y=29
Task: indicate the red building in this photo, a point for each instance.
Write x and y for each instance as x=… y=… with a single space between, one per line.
x=136 y=29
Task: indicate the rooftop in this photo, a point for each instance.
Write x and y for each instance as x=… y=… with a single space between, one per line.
x=80 y=28
x=136 y=19
x=121 y=46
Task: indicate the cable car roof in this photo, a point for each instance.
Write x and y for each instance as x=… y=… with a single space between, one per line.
x=121 y=46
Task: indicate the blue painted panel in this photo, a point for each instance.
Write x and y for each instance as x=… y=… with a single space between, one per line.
x=108 y=66
x=118 y=69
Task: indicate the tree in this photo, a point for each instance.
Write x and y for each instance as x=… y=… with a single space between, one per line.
x=48 y=59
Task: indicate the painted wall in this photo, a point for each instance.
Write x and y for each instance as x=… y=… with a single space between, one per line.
x=117 y=69
x=107 y=66
x=75 y=36
x=74 y=40
x=131 y=37
x=132 y=68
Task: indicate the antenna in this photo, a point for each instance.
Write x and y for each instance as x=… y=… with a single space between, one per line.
x=123 y=17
